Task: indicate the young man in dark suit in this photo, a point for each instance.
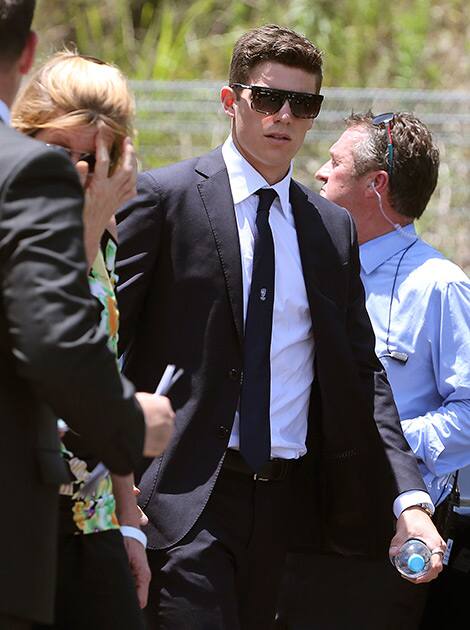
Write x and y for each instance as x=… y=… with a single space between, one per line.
x=54 y=361
x=250 y=282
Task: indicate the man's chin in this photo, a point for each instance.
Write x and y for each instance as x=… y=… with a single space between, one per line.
x=322 y=192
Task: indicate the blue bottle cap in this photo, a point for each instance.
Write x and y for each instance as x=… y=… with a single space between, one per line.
x=416 y=563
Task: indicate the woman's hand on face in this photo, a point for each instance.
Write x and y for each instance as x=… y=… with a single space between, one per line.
x=104 y=194
x=126 y=172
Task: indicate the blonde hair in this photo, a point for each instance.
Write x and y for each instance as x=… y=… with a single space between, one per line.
x=70 y=90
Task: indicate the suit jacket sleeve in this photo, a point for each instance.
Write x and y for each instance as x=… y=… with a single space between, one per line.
x=50 y=315
x=402 y=461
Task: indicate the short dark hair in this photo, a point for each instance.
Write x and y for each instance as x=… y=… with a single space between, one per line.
x=273 y=43
x=415 y=159
x=15 y=25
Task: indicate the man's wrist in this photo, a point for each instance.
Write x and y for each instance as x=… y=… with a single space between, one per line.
x=410 y=498
x=428 y=508
x=134 y=532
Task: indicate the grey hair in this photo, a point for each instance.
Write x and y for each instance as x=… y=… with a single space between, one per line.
x=415 y=165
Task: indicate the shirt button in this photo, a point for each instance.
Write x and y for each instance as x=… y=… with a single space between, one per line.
x=234 y=374
x=222 y=432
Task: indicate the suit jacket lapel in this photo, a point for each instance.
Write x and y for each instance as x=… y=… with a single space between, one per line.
x=318 y=253
x=310 y=235
x=218 y=203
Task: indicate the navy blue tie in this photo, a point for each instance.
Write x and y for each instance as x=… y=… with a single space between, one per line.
x=255 y=428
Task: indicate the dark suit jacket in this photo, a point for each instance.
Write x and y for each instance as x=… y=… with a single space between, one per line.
x=181 y=301
x=53 y=363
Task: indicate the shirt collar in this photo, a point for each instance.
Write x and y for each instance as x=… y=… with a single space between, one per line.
x=375 y=252
x=245 y=180
x=4 y=112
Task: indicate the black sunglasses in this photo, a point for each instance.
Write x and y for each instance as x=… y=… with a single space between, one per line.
x=387 y=120
x=267 y=100
x=89 y=158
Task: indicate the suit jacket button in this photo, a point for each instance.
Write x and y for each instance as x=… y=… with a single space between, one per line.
x=234 y=374
x=222 y=432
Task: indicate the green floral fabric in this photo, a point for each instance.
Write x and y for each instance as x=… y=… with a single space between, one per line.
x=87 y=513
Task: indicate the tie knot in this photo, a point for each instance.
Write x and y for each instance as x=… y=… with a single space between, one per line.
x=266 y=198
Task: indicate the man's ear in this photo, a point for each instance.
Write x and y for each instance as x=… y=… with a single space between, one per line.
x=26 y=59
x=228 y=98
x=378 y=183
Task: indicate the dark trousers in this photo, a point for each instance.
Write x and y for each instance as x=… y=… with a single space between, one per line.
x=95 y=588
x=13 y=623
x=336 y=593
x=447 y=604
x=224 y=574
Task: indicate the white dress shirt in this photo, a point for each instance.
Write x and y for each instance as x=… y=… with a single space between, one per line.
x=4 y=112
x=430 y=322
x=292 y=340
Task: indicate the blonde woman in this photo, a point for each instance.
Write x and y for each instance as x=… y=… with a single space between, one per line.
x=83 y=106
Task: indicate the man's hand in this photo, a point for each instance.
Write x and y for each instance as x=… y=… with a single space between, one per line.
x=139 y=568
x=159 y=420
x=415 y=523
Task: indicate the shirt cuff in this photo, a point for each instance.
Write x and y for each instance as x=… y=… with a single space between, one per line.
x=135 y=533
x=408 y=499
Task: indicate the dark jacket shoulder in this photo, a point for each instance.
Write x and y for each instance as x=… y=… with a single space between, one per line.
x=19 y=153
x=335 y=215
x=179 y=174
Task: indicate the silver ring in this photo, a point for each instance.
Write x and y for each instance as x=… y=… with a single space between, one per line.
x=437 y=551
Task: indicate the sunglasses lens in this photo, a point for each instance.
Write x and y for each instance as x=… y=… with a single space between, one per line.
x=269 y=101
x=266 y=101
x=90 y=159
x=306 y=106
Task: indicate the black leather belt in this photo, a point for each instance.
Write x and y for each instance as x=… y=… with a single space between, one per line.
x=274 y=470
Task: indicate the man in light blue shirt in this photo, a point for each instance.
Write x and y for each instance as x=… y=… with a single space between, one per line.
x=418 y=301
x=384 y=169
x=427 y=320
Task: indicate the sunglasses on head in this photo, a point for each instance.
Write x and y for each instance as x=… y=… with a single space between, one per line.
x=89 y=158
x=387 y=120
x=267 y=100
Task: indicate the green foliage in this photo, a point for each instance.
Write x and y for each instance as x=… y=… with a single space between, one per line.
x=408 y=43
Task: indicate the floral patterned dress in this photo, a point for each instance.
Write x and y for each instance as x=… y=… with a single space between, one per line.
x=82 y=512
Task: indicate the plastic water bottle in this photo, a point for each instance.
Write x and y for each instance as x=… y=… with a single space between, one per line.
x=413 y=558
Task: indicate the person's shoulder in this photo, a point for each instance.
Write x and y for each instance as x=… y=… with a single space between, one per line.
x=15 y=147
x=321 y=203
x=182 y=174
x=434 y=268
x=331 y=214
x=20 y=153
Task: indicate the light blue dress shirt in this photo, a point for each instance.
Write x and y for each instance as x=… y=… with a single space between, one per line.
x=429 y=316
x=4 y=112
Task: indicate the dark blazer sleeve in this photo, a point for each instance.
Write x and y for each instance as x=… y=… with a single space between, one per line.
x=50 y=316
x=360 y=333
x=139 y=227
